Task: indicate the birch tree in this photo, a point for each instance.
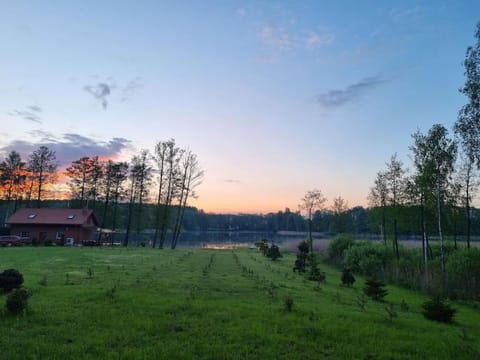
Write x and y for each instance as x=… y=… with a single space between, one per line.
x=467 y=126
x=312 y=201
x=191 y=177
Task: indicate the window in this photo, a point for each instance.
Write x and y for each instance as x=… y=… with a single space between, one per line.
x=71 y=217
x=60 y=235
x=25 y=234
x=32 y=216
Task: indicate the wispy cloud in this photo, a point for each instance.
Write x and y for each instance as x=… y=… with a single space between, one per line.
x=69 y=146
x=282 y=39
x=100 y=91
x=339 y=97
x=405 y=13
x=103 y=91
x=31 y=114
x=129 y=91
x=277 y=37
x=313 y=39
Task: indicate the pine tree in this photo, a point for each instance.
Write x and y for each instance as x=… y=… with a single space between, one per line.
x=375 y=289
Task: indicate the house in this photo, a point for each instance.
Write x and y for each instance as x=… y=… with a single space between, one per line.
x=58 y=225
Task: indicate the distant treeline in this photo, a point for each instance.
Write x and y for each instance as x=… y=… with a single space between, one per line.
x=358 y=220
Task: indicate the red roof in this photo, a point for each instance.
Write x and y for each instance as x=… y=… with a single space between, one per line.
x=52 y=217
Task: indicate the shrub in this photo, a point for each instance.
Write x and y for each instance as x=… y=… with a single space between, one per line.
x=303 y=247
x=390 y=312
x=366 y=258
x=436 y=309
x=262 y=245
x=375 y=289
x=404 y=306
x=463 y=274
x=49 y=242
x=43 y=281
x=347 y=277
x=288 y=304
x=17 y=301
x=315 y=273
x=301 y=260
x=337 y=247
x=273 y=252
x=10 y=279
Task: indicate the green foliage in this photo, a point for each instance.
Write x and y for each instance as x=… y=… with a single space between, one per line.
x=347 y=277
x=375 y=289
x=390 y=312
x=361 y=302
x=273 y=252
x=240 y=305
x=112 y=292
x=43 y=281
x=17 y=301
x=366 y=258
x=262 y=245
x=463 y=274
x=49 y=242
x=315 y=273
x=404 y=306
x=10 y=279
x=301 y=261
x=337 y=247
x=288 y=304
x=438 y=310
x=303 y=247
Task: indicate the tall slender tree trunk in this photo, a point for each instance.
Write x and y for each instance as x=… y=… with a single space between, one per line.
x=439 y=223
x=310 y=238
x=39 y=193
x=424 y=237
x=384 y=235
x=395 y=239
x=130 y=213
x=469 y=219
x=157 y=210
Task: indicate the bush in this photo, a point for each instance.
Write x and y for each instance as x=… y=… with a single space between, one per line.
x=288 y=304
x=337 y=247
x=366 y=258
x=463 y=274
x=273 y=252
x=303 y=247
x=49 y=242
x=262 y=245
x=375 y=289
x=315 y=273
x=10 y=279
x=17 y=301
x=437 y=310
x=301 y=260
x=347 y=277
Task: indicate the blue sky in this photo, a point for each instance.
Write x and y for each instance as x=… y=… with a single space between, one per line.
x=275 y=97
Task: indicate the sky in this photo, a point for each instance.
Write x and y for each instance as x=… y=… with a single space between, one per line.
x=275 y=97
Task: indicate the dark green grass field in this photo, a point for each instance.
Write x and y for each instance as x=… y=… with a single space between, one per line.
x=117 y=303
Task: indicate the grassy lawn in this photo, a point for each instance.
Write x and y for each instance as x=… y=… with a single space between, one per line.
x=117 y=303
